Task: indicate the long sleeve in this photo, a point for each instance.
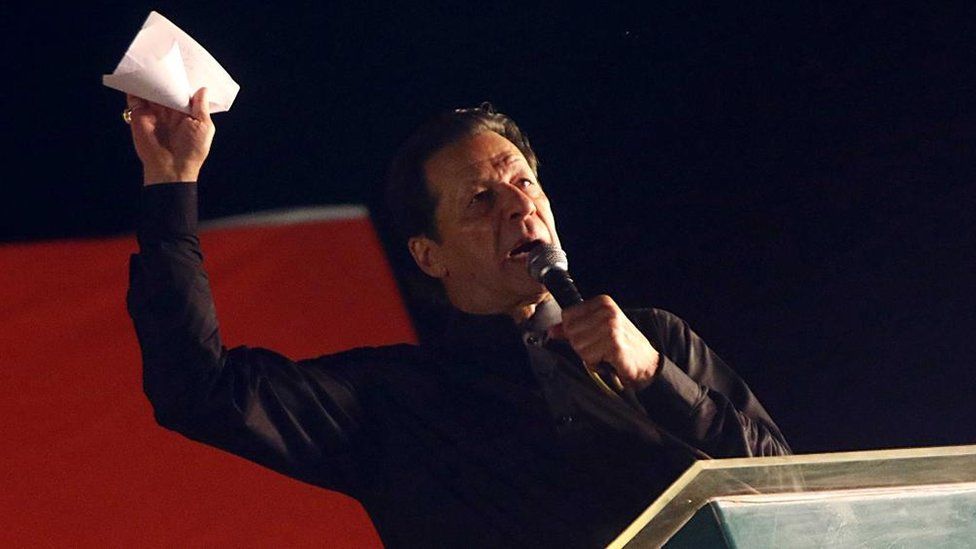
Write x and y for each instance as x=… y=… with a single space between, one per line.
x=699 y=398
x=301 y=419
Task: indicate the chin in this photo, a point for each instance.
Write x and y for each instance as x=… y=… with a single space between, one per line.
x=533 y=293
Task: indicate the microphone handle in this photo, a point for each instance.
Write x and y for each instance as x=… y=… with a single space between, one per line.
x=562 y=288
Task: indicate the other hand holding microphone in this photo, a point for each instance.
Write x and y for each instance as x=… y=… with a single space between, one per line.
x=596 y=328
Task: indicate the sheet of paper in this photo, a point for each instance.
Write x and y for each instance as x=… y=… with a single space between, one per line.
x=164 y=65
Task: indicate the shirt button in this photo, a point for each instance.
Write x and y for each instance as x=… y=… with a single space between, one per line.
x=533 y=339
x=566 y=420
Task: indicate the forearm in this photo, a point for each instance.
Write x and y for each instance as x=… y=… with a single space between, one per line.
x=170 y=302
x=696 y=396
x=709 y=419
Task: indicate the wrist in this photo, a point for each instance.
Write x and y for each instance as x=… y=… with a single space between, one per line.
x=650 y=374
x=172 y=174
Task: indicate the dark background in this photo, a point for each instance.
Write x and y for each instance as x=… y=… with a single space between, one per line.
x=796 y=182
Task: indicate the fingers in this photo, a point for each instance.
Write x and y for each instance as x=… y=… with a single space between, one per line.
x=142 y=119
x=590 y=316
x=599 y=332
x=142 y=111
x=589 y=345
x=137 y=104
x=595 y=352
x=200 y=106
x=133 y=102
x=133 y=105
x=589 y=328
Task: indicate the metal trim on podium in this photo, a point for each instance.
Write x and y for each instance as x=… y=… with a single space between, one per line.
x=881 y=498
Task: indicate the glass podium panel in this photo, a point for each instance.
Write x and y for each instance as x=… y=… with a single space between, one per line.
x=814 y=488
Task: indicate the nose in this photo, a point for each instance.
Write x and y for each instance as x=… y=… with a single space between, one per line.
x=518 y=205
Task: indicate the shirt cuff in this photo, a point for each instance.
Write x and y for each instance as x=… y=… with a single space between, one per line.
x=672 y=393
x=167 y=210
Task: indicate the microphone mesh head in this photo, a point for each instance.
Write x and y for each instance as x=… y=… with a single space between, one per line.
x=544 y=257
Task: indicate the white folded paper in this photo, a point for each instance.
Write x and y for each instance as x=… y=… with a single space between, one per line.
x=164 y=65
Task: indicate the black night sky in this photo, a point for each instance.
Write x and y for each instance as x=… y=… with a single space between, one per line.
x=796 y=182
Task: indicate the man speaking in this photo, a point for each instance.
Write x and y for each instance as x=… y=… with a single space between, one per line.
x=498 y=433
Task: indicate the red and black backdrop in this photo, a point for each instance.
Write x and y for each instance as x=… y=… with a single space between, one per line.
x=83 y=462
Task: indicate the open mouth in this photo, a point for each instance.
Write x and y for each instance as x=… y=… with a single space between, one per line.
x=522 y=249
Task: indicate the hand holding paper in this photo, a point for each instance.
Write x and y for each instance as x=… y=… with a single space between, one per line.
x=171 y=145
x=164 y=65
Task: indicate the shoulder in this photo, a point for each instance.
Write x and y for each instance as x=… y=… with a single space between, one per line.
x=659 y=322
x=363 y=367
x=373 y=358
x=652 y=314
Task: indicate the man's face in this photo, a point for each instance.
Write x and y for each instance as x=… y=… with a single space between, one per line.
x=490 y=207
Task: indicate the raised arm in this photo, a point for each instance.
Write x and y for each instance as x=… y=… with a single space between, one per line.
x=298 y=418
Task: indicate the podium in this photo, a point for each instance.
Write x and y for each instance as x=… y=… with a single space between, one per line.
x=923 y=497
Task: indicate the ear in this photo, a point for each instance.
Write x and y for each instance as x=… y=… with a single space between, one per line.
x=426 y=253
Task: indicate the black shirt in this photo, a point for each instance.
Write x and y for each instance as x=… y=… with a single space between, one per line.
x=489 y=436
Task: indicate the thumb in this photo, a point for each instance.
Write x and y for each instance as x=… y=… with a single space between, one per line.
x=556 y=332
x=200 y=107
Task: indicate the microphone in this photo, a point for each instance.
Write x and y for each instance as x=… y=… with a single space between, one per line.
x=548 y=265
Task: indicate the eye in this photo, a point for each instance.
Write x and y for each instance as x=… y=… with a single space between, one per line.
x=479 y=197
x=525 y=182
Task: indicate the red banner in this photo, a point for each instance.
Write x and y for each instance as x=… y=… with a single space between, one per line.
x=84 y=463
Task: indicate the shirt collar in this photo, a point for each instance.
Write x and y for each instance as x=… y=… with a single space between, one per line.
x=547 y=314
x=495 y=343
x=485 y=330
